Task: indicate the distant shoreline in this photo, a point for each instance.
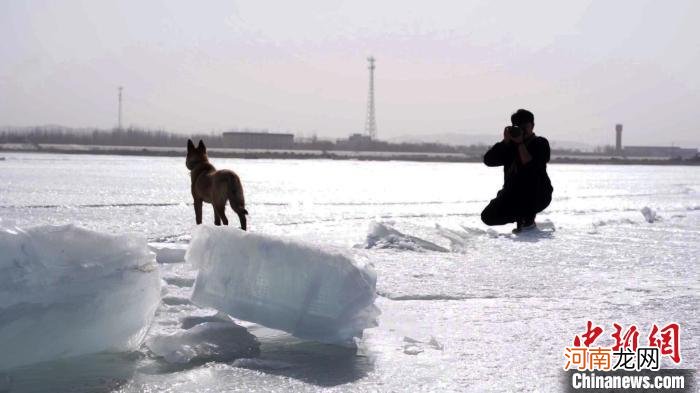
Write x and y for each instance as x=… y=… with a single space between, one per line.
x=151 y=151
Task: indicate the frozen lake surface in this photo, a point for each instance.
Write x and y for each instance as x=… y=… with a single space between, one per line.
x=464 y=307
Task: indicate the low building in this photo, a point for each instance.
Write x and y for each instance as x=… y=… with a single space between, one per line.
x=258 y=140
x=355 y=142
x=659 y=151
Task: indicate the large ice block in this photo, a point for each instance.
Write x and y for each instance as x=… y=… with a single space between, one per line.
x=67 y=291
x=310 y=292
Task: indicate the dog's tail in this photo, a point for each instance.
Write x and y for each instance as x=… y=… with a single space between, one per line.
x=236 y=198
x=235 y=194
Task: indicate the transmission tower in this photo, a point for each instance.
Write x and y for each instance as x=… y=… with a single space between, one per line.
x=119 y=116
x=371 y=123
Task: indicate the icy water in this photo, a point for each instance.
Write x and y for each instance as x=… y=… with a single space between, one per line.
x=464 y=307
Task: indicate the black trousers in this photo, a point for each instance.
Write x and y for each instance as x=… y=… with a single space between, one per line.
x=513 y=206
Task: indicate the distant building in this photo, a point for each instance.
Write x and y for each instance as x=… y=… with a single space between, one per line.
x=258 y=140
x=355 y=142
x=659 y=151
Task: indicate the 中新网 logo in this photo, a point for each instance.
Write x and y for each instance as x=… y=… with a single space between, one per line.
x=626 y=353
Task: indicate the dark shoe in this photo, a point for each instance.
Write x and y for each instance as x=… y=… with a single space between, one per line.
x=528 y=227
x=525 y=225
x=519 y=226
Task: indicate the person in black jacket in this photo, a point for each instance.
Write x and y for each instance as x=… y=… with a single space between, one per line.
x=527 y=189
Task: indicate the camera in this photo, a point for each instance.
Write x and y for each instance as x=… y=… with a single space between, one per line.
x=515 y=131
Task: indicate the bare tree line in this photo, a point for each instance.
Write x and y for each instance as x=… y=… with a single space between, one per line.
x=114 y=137
x=161 y=138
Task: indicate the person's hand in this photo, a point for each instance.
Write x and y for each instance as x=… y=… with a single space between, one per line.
x=517 y=140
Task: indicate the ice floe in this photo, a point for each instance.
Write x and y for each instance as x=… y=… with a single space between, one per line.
x=384 y=235
x=413 y=346
x=311 y=292
x=649 y=214
x=67 y=291
x=169 y=252
x=207 y=341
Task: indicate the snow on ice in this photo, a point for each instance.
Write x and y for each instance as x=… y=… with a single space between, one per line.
x=67 y=291
x=309 y=292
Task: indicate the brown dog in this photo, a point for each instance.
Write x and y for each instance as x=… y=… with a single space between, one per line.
x=215 y=187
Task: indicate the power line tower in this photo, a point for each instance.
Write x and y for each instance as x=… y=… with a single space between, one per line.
x=119 y=118
x=370 y=122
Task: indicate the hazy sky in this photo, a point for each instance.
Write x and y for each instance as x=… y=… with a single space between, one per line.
x=300 y=66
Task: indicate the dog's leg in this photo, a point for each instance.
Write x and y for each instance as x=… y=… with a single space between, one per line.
x=198 y=210
x=221 y=212
x=242 y=219
x=217 y=219
x=241 y=212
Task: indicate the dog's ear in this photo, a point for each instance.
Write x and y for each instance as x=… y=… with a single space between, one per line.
x=201 y=146
x=190 y=145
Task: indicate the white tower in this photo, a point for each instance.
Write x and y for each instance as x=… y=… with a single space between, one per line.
x=119 y=115
x=370 y=122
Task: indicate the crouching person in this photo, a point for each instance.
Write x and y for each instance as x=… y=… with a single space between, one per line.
x=527 y=189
